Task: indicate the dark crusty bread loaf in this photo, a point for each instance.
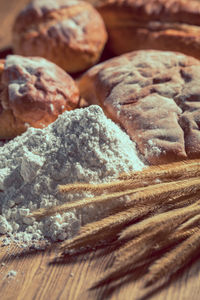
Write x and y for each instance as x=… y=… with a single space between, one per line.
x=69 y=33
x=152 y=24
x=155 y=96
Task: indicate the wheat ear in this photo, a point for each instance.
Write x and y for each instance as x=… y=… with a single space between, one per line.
x=43 y=212
x=167 y=241
x=136 y=252
x=167 y=172
x=170 y=218
x=175 y=170
x=174 y=260
x=150 y=193
x=91 y=233
x=116 y=186
x=179 y=202
x=139 y=251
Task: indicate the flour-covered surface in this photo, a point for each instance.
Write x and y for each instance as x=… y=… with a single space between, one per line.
x=69 y=33
x=33 y=93
x=155 y=96
x=80 y=146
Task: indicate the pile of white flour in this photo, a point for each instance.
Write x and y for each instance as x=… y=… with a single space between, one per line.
x=80 y=146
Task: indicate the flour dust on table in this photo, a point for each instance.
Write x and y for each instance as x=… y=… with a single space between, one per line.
x=80 y=146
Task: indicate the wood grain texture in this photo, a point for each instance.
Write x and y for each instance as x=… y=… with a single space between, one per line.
x=37 y=279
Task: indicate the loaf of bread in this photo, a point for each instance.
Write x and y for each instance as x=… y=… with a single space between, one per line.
x=69 y=33
x=152 y=24
x=155 y=96
x=33 y=92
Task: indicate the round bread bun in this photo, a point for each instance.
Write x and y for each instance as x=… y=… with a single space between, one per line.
x=155 y=97
x=151 y=24
x=33 y=92
x=69 y=33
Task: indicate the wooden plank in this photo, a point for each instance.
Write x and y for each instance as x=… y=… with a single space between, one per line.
x=37 y=279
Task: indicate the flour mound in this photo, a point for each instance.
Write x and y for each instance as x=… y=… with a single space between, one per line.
x=80 y=146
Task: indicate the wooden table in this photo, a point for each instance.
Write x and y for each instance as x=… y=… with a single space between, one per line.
x=38 y=279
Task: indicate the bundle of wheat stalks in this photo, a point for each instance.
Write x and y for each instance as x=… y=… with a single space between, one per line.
x=163 y=208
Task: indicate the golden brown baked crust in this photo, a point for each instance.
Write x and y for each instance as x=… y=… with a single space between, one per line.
x=155 y=96
x=69 y=33
x=33 y=92
x=152 y=24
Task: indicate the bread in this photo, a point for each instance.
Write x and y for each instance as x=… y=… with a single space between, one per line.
x=152 y=24
x=69 y=33
x=33 y=92
x=155 y=97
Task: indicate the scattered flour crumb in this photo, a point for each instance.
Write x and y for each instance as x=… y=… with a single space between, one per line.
x=11 y=274
x=5 y=241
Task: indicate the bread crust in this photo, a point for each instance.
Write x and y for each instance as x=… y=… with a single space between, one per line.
x=155 y=97
x=33 y=92
x=70 y=33
x=152 y=24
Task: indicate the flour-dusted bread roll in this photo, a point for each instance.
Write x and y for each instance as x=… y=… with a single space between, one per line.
x=152 y=24
x=33 y=92
x=70 y=33
x=155 y=96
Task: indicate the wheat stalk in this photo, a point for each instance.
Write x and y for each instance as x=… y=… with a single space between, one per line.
x=43 y=212
x=117 y=185
x=179 y=202
x=174 y=260
x=150 y=193
x=194 y=221
x=107 y=227
x=172 y=186
x=165 y=241
x=137 y=252
x=171 y=171
x=110 y=225
x=170 y=219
